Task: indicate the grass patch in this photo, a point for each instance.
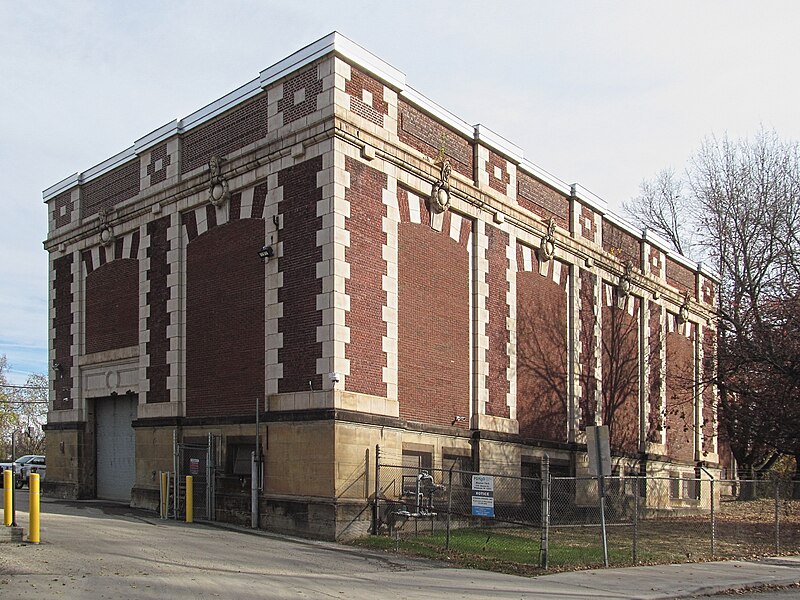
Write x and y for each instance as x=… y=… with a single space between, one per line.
x=743 y=530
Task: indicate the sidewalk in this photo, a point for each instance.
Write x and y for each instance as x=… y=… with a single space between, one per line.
x=673 y=581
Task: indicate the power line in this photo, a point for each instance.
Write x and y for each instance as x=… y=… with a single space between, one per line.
x=23 y=387
x=11 y=401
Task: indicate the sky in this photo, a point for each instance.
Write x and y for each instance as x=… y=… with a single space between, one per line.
x=604 y=94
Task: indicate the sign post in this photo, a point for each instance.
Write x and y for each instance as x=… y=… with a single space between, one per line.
x=599 y=449
x=482 y=496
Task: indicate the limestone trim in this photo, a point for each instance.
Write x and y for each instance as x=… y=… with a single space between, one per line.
x=511 y=325
x=144 y=313
x=333 y=270
x=480 y=317
x=273 y=309
x=176 y=309
x=390 y=282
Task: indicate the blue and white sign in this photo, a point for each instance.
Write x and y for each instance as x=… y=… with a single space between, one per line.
x=482 y=496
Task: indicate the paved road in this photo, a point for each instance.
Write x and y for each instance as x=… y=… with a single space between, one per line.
x=97 y=551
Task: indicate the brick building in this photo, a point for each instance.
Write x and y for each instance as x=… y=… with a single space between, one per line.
x=426 y=289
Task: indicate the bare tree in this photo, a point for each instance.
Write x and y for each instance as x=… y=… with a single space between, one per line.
x=23 y=411
x=662 y=207
x=542 y=373
x=620 y=384
x=745 y=199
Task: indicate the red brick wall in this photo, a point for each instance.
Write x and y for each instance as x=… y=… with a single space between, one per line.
x=620 y=389
x=680 y=403
x=225 y=134
x=300 y=284
x=111 y=189
x=311 y=84
x=587 y=360
x=63 y=202
x=500 y=185
x=708 y=292
x=158 y=173
x=355 y=86
x=655 y=383
x=586 y=213
x=62 y=324
x=621 y=244
x=426 y=135
x=680 y=277
x=225 y=320
x=655 y=266
x=541 y=355
x=112 y=306
x=497 y=305
x=542 y=200
x=365 y=286
x=157 y=321
x=433 y=330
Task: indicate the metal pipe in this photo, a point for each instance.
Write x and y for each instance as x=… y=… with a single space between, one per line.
x=544 y=483
x=449 y=506
x=376 y=516
x=14 y=478
x=254 y=474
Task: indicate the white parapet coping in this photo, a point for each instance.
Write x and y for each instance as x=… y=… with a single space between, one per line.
x=336 y=43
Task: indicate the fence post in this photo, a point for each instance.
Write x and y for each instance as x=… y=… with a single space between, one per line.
x=449 y=507
x=777 y=516
x=636 y=521
x=544 y=545
x=376 y=510
x=713 y=522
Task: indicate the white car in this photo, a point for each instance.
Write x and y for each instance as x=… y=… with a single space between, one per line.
x=23 y=467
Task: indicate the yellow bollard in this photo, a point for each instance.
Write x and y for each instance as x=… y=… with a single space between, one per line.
x=164 y=493
x=8 y=498
x=189 y=499
x=33 y=508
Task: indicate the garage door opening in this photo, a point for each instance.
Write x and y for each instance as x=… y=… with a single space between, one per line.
x=116 y=447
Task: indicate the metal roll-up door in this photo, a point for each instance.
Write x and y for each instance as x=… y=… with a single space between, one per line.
x=116 y=447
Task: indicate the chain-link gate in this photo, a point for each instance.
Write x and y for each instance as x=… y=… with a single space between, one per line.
x=197 y=460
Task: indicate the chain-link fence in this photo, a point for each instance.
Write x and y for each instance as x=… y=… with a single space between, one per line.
x=431 y=509
x=557 y=522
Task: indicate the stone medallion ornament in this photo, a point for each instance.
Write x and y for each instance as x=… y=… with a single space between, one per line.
x=107 y=236
x=624 y=285
x=218 y=192
x=547 y=247
x=683 y=311
x=440 y=194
